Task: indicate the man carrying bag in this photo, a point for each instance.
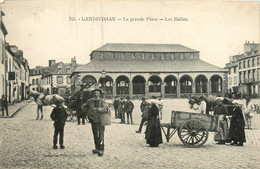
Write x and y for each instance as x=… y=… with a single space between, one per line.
x=97 y=110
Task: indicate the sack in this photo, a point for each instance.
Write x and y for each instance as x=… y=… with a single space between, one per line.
x=102 y=110
x=105 y=119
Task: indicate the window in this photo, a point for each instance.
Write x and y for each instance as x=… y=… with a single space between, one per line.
x=239 y=67
x=68 y=79
x=235 y=70
x=59 y=79
x=229 y=71
x=59 y=70
x=258 y=61
x=244 y=64
x=33 y=82
x=37 y=81
x=248 y=63
x=253 y=62
x=68 y=70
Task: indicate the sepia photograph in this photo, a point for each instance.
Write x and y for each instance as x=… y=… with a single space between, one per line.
x=130 y=84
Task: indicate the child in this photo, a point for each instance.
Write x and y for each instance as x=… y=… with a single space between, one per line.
x=59 y=116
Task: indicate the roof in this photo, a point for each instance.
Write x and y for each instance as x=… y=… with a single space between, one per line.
x=185 y=65
x=135 y=47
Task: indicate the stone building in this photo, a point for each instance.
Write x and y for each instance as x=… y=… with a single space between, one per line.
x=54 y=79
x=136 y=70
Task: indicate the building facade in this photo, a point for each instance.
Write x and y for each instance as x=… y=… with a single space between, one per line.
x=245 y=70
x=3 y=66
x=136 y=70
x=54 y=79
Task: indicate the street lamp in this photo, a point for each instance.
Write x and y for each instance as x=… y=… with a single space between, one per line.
x=103 y=75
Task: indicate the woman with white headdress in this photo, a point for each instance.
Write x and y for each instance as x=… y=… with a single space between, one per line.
x=153 y=133
x=237 y=126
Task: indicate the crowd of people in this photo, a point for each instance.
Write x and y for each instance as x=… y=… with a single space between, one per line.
x=91 y=107
x=233 y=119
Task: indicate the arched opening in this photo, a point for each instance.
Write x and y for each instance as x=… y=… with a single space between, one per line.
x=122 y=85
x=171 y=84
x=216 y=84
x=89 y=79
x=154 y=84
x=106 y=84
x=201 y=84
x=186 y=84
x=138 y=85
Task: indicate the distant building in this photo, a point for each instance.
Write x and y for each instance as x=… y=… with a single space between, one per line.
x=3 y=63
x=135 y=70
x=247 y=71
x=54 y=79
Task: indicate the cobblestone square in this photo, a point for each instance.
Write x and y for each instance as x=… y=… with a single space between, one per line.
x=27 y=143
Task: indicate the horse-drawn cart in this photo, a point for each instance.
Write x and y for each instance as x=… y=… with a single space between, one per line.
x=192 y=128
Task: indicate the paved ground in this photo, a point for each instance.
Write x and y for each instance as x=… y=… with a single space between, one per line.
x=27 y=143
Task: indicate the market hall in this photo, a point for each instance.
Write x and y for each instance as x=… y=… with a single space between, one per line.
x=137 y=70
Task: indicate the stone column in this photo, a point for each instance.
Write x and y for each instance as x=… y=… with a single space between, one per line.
x=114 y=89
x=163 y=89
x=208 y=88
x=131 y=90
x=146 y=90
x=193 y=88
x=178 y=89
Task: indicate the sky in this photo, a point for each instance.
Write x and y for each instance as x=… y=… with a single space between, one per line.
x=43 y=30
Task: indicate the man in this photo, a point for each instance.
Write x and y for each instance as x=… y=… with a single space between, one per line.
x=248 y=109
x=129 y=106
x=202 y=106
x=144 y=115
x=80 y=102
x=116 y=104
x=95 y=106
x=4 y=105
x=121 y=110
x=221 y=111
x=59 y=116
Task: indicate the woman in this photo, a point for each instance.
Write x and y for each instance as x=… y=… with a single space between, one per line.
x=237 y=125
x=153 y=133
x=220 y=110
x=248 y=109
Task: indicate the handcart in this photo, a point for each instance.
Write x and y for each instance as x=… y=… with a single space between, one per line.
x=193 y=128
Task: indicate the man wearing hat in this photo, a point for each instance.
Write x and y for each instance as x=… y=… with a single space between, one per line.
x=129 y=106
x=144 y=115
x=59 y=116
x=96 y=106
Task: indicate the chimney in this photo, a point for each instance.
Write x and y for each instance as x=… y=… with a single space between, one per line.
x=73 y=62
x=52 y=62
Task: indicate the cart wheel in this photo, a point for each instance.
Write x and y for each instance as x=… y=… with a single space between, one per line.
x=193 y=133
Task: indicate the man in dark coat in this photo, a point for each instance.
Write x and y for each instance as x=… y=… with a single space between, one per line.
x=237 y=126
x=80 y=113
x=59 y=116
x=4 y=105
x=116 y=104
x=121 y=110
x=144 y=115
x=129 y=106
x=96 y=106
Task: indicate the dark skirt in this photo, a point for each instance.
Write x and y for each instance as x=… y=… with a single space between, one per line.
x=153 y=133
x=237 y=131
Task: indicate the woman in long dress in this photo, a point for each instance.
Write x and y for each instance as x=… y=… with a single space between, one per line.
x=237 y=127
x=153 y=133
